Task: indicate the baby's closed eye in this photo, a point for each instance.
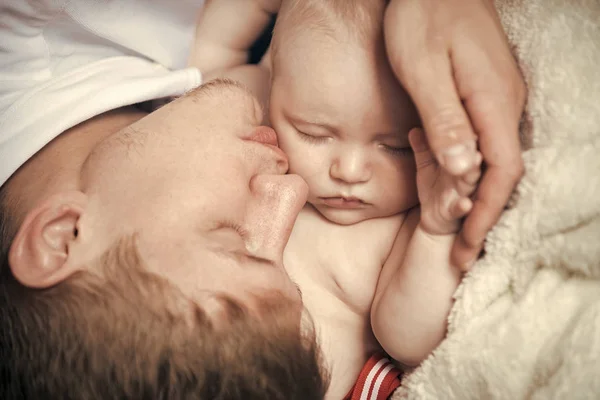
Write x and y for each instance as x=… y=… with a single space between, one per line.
x=311 y=138
x=397 y=151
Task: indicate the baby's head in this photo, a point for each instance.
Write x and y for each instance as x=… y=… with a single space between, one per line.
x=340 y=114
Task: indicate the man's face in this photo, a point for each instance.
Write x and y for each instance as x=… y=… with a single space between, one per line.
x=343 y=120
x=205 y=193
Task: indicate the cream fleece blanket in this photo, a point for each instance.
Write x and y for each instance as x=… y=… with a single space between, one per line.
x=526 y=322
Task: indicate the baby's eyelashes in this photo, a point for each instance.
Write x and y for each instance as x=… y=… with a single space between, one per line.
x=398 y=151
x=312 y=138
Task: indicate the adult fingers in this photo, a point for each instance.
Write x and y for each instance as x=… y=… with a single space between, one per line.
x=454 y=60
x=446 y=123
x=423 y=66
x=496 y=117
x=494 y=98
x=492 y=195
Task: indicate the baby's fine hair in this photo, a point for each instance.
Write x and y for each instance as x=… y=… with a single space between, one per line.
x=361 y=19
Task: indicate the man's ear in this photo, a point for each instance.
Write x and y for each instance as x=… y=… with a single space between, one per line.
x=39 y=254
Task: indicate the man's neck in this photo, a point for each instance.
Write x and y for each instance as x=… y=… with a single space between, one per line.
x=57 y=166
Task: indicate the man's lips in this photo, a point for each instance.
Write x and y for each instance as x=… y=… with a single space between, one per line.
x=343 y=202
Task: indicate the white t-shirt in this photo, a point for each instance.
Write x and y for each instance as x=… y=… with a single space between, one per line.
x=65 y=61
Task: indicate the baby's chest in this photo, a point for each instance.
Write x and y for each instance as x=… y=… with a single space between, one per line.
x=344 y=260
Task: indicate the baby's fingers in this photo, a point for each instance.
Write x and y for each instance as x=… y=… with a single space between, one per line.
x=458 y=206
x=461 y=207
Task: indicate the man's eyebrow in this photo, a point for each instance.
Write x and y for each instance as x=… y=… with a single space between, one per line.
x=132 y=138
x=260 y=260
x=215 y=84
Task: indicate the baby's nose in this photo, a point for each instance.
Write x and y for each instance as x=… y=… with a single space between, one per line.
x=351 y=167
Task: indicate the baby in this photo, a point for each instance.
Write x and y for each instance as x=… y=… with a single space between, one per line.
x=374 y=268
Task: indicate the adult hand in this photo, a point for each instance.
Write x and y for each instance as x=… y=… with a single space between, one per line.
x=453 y=58
x=443 y=199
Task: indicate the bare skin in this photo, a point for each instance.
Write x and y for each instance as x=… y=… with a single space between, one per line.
x=432 y=46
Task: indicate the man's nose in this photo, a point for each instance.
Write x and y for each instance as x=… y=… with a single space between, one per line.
x=276 y=202
x=350 y=166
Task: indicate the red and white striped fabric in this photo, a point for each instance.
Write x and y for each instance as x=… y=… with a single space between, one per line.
x=377 y=380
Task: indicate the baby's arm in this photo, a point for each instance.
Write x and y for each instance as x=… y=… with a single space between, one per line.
x=225 y=31
x=415 y=288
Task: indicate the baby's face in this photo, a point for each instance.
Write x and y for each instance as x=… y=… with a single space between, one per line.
x=343 y=120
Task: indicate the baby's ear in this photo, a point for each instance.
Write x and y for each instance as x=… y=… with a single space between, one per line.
x=39 y=254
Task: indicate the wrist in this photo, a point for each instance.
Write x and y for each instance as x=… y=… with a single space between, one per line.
x=433 y=223
x=437 y=243
x=435 y=237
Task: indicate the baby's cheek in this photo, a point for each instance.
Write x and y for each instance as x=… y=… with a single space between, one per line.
x=302 y=163
x=404 y=200
x=405 y=195
x=411 y=183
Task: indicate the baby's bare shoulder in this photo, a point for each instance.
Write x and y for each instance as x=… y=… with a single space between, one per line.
x=345 y=260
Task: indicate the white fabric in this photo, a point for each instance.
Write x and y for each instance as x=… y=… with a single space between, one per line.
x=64 y=61
x=526 y=322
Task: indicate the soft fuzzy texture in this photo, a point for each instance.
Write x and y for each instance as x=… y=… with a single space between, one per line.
x=526 y=322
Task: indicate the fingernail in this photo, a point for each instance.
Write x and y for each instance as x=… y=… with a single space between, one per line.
x=459 y=158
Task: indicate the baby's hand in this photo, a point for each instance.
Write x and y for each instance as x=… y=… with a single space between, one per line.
x=444 y=199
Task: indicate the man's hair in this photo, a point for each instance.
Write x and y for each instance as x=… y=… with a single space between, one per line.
x=126 y=333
